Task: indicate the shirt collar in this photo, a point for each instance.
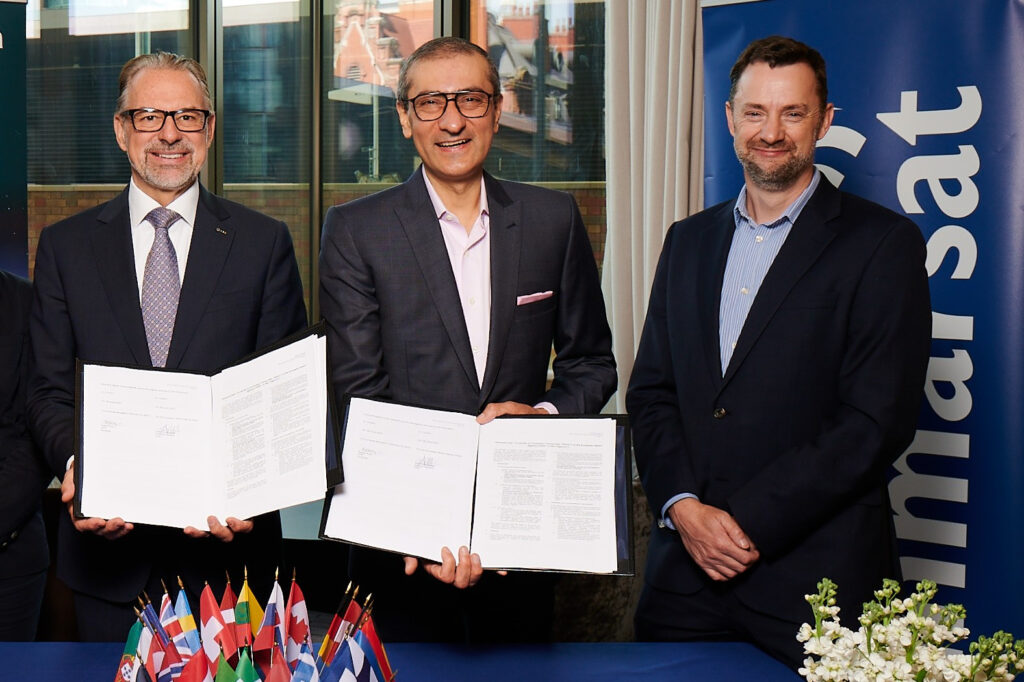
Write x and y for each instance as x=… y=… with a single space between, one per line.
x=140 y=203
x=439 y=208
x=791 y=213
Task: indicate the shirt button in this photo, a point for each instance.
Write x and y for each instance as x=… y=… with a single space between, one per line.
x=718 y=413
x=472 y=300
x=758 y=239
x=744 y=291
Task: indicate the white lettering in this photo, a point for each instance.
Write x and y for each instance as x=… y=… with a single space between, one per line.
x=909 y=483
x=908 y=122
x=952 y=237
x=934 y=169
x=916 y=569
x=956 y=371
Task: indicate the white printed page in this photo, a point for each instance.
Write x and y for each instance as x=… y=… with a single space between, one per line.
x=270 y=417
x=545 y=494
x=408 y=479
x=145 y=446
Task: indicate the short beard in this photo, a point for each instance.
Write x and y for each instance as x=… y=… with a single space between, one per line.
x=161 y=178
x=778 y=178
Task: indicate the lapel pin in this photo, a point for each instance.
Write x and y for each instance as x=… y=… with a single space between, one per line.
x=221 y=230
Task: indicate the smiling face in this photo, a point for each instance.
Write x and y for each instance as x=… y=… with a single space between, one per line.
x=166 y=162
x=453 y=148
x=775 y=118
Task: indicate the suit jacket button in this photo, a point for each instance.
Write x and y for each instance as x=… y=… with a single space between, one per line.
x=718 y=413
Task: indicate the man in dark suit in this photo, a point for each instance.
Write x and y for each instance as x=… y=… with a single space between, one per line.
x=778 y=376
x=23 y=553
x=195 y=287
x=449 y=291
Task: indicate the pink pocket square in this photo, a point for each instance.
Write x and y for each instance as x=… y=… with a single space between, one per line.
x=531 y=298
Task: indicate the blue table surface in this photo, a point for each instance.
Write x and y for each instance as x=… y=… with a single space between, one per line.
x=724 y=661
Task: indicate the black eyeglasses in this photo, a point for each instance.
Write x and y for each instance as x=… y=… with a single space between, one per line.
x=149 y=120
x=431 y=106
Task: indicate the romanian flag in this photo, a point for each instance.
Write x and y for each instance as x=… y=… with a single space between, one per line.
x=127 y=664
x=296 y=619
x=218 y=639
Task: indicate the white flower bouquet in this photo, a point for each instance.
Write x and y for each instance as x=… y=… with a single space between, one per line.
x=901 y=639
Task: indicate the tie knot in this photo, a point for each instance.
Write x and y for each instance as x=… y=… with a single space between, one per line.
x=161 y=218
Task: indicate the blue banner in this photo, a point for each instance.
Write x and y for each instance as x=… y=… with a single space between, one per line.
x=13 y=183
x=929 y=122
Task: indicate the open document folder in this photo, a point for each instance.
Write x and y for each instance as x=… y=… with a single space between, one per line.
x=171 y=448
x=544 y=493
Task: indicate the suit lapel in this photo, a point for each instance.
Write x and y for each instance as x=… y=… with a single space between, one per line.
x=115 y=261
x=807 y=239
x=714 y=241
x=506 y=240
x=417 y=218
x=212 y=235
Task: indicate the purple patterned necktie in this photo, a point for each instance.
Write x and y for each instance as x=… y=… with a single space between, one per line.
x=160 y=286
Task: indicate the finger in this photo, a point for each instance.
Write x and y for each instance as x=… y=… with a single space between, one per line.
x=411 y=564
x=464 y=569
x=219 y=530
x=503 y=573
x=194 y=532
x=67 y=486
x=490 y=412
x=444 y=571
x=239 y=525
x=477 y=569
x=113 y=529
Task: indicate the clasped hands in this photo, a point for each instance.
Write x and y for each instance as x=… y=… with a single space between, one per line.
x=713 y=538
x=115 y=528
x=467 y=570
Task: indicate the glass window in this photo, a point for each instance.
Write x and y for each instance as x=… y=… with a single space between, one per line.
x=550 y=58
x=264 y=116
x=364 y=45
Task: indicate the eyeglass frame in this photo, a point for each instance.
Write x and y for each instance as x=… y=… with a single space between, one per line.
x=449 y=97
x=130 y=115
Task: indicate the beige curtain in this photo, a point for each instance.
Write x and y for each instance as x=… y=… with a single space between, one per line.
x=654 y=138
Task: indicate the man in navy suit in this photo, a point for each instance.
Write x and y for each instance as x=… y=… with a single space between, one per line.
x=449 y=291
x=24 y=556
x=236 y=282
x=778 y=376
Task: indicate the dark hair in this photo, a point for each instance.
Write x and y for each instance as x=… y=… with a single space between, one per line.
x=160 y=60
x=780 y=51
x=446 y=46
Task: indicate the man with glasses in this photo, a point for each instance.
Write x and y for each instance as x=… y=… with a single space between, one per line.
x=449 y=291
x=778 y=376
x=164 y=275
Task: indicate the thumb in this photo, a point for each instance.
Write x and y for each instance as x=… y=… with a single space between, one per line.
x=411 y=564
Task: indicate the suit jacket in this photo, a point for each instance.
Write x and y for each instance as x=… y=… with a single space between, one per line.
x=821 y=395
x=395 y=323
x=23 y=476
x=241 y=292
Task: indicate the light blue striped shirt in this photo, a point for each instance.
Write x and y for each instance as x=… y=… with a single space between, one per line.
x=754 y=248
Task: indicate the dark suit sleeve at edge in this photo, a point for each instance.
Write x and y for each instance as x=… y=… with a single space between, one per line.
x=584 y=367
x=348 y=303
x=881 y=380
x=282 y=310
x=22 y=474
x=51 y=400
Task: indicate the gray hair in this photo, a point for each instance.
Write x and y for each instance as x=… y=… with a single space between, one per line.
x=160 y=60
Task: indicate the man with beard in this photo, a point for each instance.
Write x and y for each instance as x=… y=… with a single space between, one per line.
x=164 y=275
x=778 y=376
